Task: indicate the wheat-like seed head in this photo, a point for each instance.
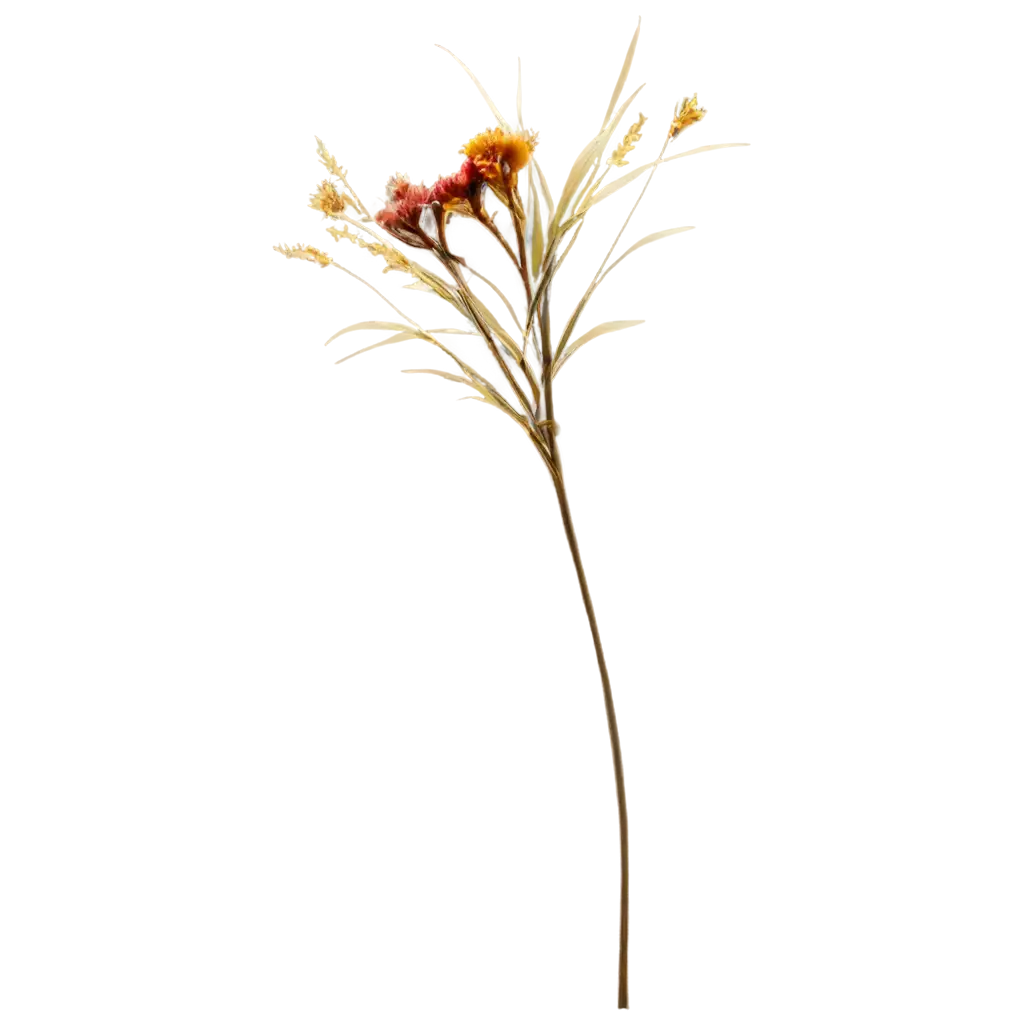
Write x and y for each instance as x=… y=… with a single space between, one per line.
x=304 y=252
x=393 y=259
x=687 y=113
x=335 y=169
x=328 y=161
x=328 y=200
x=625 y=148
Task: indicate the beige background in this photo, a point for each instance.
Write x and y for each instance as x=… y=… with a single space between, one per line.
x=266 y=750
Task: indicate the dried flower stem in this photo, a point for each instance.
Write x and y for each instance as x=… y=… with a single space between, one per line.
x=558 y=479
x=520 y=239
x=488 y=222
x=613 y=731
x=550 y=428
x=524 y=272
x=453 y=268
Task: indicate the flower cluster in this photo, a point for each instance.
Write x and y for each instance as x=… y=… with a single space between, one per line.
x=493 y=158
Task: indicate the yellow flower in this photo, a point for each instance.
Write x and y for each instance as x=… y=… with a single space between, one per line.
x=687 y=113
x=491 y=150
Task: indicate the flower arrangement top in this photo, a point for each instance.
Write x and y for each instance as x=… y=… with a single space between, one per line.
x=499 y=175
x=510 y=338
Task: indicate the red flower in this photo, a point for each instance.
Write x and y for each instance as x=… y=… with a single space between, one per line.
x=401 y=216
x=406 y=198
x=459 y=192
x=388 y=220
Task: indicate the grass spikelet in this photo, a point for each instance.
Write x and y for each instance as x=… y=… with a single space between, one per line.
x=304 y=252
x=628 y=144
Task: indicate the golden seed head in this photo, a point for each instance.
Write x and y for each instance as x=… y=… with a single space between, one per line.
x=687 y=113
x=328 y=161
x=329 y=200
x=632 y=137
x=304 y=252
x=392 y=257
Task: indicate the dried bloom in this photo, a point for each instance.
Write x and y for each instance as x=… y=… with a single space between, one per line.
x=386 y=218
x=406 y=199
x=459 y=192
x=493 y=152
x=401 y=216
x=328 y=200
x=687 y=113
x=632 y=137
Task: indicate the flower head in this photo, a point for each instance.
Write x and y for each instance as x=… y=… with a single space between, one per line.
x=459 y=192
x=496 y=153
x=687 y=113
x=401 y=216
x=405 y=197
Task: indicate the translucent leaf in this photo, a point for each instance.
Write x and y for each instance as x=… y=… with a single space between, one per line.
x=447 y=376
x=645 y=241
x=537 y=241
x=545 y=191
x=368 y=325
x=605 y=328
x=623 y=74
x=403 y=336
x=483 y=92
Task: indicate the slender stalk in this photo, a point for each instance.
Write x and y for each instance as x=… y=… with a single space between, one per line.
x=516 y=211
x=488 y=223
x=624 y=842
x=523 y=273
x=453 y=269
x=613 y=731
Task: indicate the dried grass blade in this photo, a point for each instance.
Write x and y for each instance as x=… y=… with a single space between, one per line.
x=486 y=101
x=596 y=332
x=644 y=241
x=467 y=372
x=623 y=74
x=584 y=164
x=394 y=339
x=368 y=325
x=579 y=310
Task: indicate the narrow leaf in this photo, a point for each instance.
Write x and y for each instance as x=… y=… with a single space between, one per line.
x=447 y=376
x=404 y=336
x=368 y=325
x=605 y=328
x=483 y=92
x=623 y=74
x=645 y=241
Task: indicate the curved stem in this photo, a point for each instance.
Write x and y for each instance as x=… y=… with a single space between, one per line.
x=488 y=223
x=613 y=730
